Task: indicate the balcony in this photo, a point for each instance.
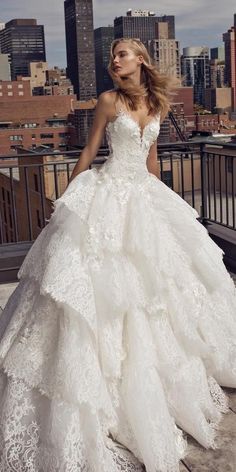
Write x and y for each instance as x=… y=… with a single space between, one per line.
x=202 y=173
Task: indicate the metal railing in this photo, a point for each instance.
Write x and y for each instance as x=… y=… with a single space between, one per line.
x=202 y=173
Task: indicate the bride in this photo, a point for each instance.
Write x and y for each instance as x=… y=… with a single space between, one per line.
x=122 y=329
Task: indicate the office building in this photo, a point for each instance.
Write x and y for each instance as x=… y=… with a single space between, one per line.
x=80 y=47
x=217 y=67
x=229 y=39
x=24 y=41
x=142 y=24
x=218 y=53
x=165 y=51
x=218 y=100
x=217 y=74
x=103 y=38
x=170 y=20
x=195 y=69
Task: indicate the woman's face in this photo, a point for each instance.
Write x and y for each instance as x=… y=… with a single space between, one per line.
x=125 y=61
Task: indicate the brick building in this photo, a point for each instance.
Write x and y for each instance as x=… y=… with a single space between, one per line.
x=28 y=122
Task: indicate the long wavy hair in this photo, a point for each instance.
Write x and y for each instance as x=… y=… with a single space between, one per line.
x=157 y=88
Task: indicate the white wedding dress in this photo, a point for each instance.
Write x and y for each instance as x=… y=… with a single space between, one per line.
x=122 y=327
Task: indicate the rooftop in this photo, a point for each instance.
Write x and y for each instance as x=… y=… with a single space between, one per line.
x=198 y=458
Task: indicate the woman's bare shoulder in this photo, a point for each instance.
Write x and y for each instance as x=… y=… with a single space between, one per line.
x=108 y=97
x=106 y=103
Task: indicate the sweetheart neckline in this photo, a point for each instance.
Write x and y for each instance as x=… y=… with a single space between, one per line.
x=126 y=113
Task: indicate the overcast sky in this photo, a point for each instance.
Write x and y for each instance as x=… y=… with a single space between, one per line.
x=198 y=22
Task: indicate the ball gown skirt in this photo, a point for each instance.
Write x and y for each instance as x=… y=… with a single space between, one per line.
x=122 y=328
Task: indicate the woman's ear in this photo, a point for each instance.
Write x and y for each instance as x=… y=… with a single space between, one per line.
x=140 y=58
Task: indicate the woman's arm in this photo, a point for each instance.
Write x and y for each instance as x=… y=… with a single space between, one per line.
x=152 y=164
x=96 y=134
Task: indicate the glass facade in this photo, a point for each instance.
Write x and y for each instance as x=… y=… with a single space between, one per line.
x=195 y=67
x=24 y=41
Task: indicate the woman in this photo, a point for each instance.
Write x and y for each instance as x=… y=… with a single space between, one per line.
x=122 y=327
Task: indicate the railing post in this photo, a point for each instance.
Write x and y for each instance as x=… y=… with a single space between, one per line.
x=203 y=184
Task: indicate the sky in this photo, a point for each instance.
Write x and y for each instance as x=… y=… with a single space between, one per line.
x=197 y=22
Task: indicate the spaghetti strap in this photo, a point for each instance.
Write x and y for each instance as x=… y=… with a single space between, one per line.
x=118 y=105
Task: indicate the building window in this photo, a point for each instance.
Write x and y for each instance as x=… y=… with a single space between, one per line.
x=39 y=223
x=0 y=94
x=10 y=94
x=36 y=184
x=9 y=86
x=16 y=137
x=21 y=93
x=46 y=135
x=20 y=86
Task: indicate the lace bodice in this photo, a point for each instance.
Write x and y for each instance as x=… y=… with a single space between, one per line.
x=129 y=145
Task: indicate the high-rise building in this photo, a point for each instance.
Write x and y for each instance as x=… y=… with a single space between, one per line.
x=80 y=47
x=217 y=67
x=217 y=74
x=24 y=41
x=103 y=38
x=218 y=53
x=142 y=24
x=170 y=20
x=229 y=39
x=218 y=100
x=195 y=69
x=165 y=51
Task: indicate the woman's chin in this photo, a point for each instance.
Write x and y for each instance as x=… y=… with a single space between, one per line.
x=118 y=73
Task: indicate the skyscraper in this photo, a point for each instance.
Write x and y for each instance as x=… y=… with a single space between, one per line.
x=170 y=20
x=229 y=39
x=195 y=65
x=217 y=67
x=139 y=24
x=218 y=53
x=24 y=41
x=165 y=51
x=103 y=38
x=80 y=47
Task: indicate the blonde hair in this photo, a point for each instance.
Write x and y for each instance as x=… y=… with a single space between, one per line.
x=156 y=87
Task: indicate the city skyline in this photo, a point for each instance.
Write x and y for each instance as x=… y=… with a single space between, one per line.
x=196 y=23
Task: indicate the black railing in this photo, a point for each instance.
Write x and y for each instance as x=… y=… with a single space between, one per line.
x=203 y=173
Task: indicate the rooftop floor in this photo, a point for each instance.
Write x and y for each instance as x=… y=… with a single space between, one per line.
x=198 y=459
